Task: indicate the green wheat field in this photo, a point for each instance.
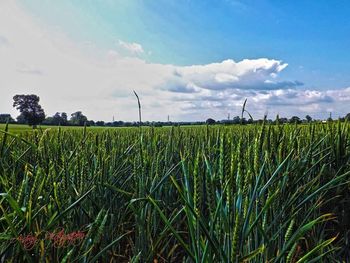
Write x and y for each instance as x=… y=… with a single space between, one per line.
x=249 y=193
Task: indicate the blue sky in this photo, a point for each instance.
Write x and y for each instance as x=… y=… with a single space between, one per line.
x=310 y=36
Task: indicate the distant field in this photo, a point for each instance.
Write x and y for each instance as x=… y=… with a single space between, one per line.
x=18 y=128
x=21 y=128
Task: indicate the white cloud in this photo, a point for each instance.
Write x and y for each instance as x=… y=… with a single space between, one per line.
x=286 y=102
x=74 y=76
x=22 y=68
x=3 y=41
x=133 y=48
x=228 y=74
x=71 y=76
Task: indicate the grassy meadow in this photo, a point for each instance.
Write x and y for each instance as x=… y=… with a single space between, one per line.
x=22 y=128
x=257 y=193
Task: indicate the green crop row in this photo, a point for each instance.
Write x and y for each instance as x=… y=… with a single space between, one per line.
x=259 y=193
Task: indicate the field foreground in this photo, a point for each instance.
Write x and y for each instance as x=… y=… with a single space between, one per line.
x=257 y=193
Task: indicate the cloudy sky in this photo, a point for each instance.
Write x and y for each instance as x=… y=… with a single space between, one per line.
x=190 y=59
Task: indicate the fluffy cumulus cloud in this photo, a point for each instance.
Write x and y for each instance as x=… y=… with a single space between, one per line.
x=228 y=74
x=133 y=48
x=70 y=76
x=285 y=102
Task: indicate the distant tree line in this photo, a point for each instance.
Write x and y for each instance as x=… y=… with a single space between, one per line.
x=32 y=113
x=61 y=119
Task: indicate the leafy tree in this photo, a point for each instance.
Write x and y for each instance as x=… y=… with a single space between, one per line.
x=56 y=119
x=100 y=123
x=64 y=119
x=78 y=118
x=347 y=117
x=210 y=121
x=236 y=120
x=308 y=118
x=48 y=121
x=6 y=118
x=119 y=123
x=283 y=120
x=30 y=109
x=295 y=119
x=21 y=120
x=90 y=123
x=243 y=121
x=249 y=121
